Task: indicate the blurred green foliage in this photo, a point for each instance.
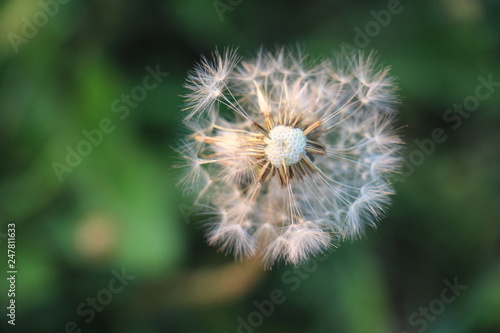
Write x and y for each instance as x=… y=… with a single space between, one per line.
x=119 y=207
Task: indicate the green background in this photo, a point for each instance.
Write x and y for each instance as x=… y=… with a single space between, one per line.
x=119 y=207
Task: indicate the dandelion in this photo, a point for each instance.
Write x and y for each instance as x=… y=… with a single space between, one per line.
x=289 y=156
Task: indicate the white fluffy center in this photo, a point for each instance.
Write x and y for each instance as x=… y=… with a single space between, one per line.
x=285 y=144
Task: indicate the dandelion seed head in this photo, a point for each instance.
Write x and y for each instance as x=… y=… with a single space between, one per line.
x=289 y=156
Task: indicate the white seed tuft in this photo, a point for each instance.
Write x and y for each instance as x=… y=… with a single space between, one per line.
x=286 y=155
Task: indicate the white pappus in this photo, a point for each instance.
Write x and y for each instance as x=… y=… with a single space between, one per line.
x=289 y=156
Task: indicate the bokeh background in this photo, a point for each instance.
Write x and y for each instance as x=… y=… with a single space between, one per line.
x=118 y=210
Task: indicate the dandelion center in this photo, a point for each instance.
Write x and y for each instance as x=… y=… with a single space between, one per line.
x=285 y=145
